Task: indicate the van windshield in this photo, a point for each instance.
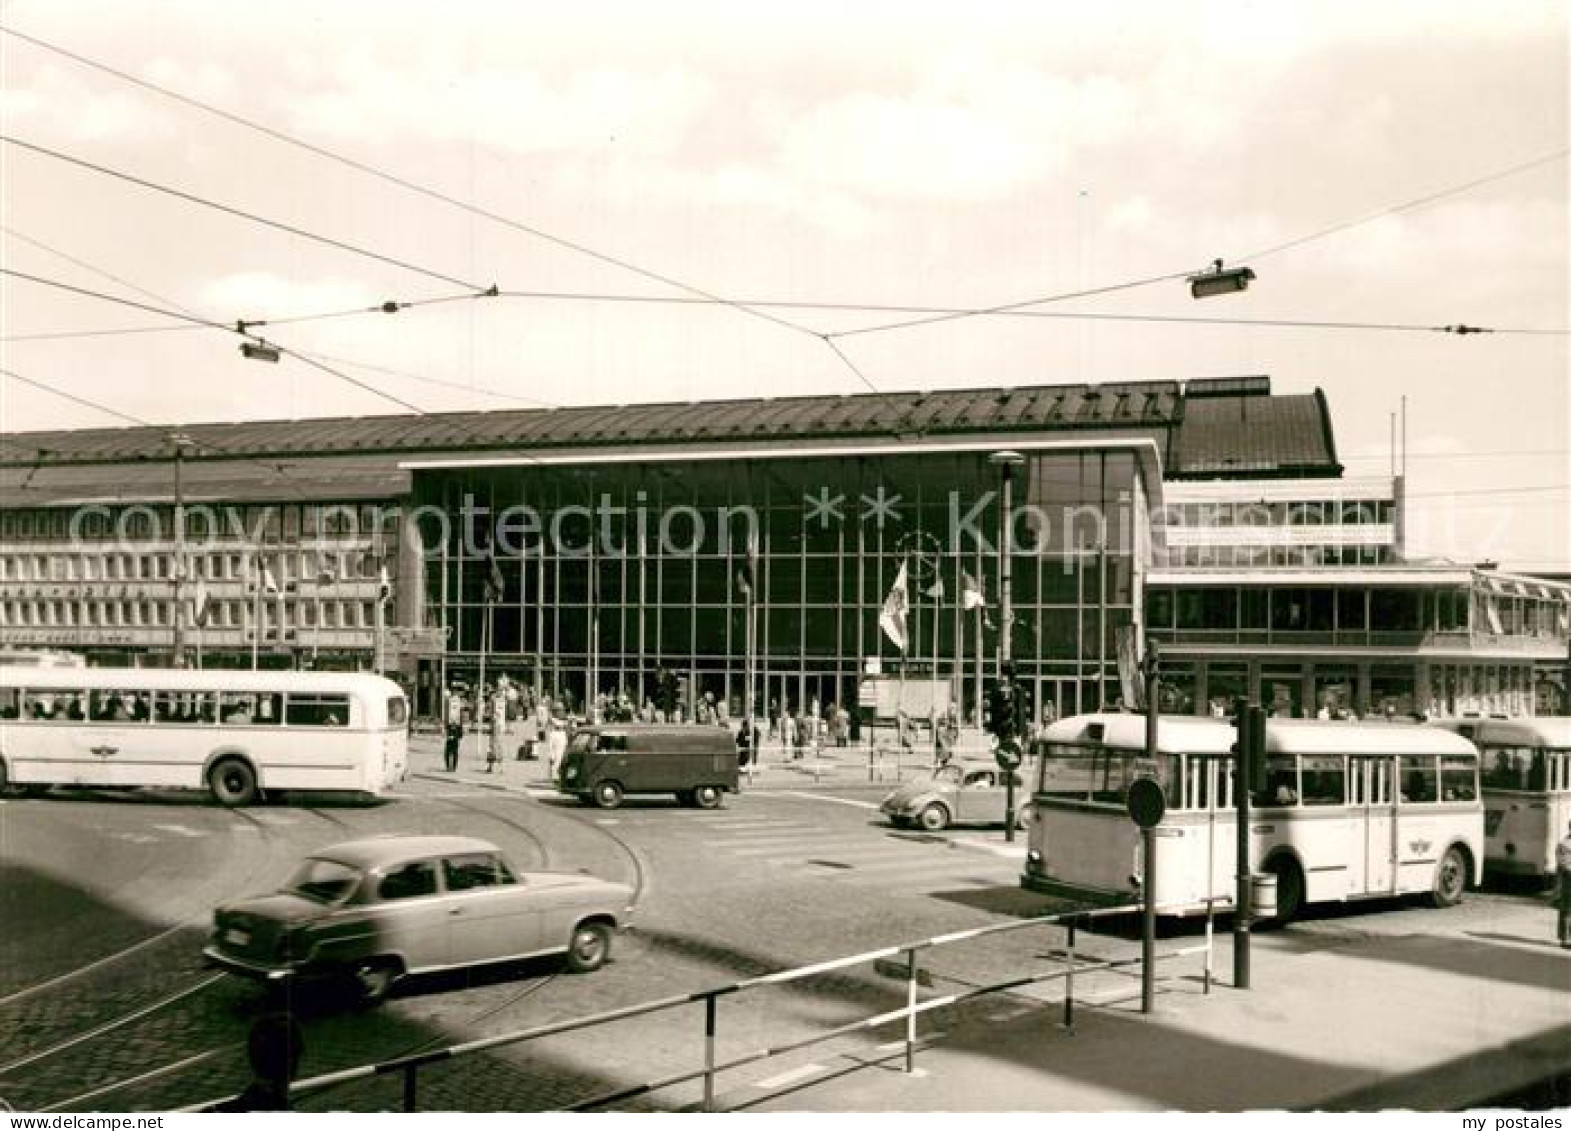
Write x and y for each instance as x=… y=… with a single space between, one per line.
x=580 y=744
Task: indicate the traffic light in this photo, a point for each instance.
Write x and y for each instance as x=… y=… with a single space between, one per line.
x=1249 y=744
x=1002 y=717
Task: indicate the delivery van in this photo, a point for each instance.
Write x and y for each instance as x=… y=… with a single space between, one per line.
x=698 y=764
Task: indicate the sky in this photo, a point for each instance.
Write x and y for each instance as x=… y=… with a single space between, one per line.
x=1393 y=165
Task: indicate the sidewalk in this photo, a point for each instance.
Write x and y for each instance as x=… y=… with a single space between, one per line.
x=1435 y=1021
x=841 y=767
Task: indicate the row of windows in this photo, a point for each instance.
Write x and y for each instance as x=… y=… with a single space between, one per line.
x=268 y=522
x=1103 y=775
x=1307 y=609
x=175 y=708
x=1286 y=556
x=308 y=565
x=1527 y=768
x=160 y=614
x=1324 y=512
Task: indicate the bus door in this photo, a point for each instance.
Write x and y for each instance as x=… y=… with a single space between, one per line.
x=1373 y=805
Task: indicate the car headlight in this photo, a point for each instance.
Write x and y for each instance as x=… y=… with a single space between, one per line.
x=569 y=773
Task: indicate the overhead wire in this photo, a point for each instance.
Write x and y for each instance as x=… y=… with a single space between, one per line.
x=193 y=198
x=423 y=190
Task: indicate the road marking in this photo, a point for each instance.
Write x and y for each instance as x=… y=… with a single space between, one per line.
x=181 y=830
x=826 y=797
x=135 y=838
x=787 y=1078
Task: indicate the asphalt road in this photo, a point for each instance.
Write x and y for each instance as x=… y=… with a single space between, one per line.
x=105 y=1005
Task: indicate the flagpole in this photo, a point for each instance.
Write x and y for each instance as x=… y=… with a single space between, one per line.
x=256 y=608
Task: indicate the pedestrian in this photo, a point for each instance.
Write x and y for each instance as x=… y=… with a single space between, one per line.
x=1563 y=887
x=493 y=750
x=454 y=731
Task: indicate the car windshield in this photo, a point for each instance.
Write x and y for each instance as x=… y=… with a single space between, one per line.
x=950 y=774
x=326 y=881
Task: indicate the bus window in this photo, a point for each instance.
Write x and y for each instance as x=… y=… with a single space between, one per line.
x=318 y=710
x=113 y=707
x=1418 y=782
x=1537 y=775
x=1458 y=779
x=1324 y=781
x=1065 y=771
x=57 y=706
x=1281 y=783
x=250 y=708
x=1506 y=769
x=184 y=708
x=397 y=711
x=10 y=703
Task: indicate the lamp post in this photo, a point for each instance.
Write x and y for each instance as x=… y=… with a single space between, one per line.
x=1007 y=461
x=180 y=442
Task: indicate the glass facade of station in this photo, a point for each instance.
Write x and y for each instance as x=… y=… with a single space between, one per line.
x=606 y=573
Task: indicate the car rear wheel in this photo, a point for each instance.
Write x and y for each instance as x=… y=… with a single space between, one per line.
x=589 y=947
x=374 y=980
x=933 y=818
x=708 y=796
x=232 y=782
x=608 y=794
x=1450 y=879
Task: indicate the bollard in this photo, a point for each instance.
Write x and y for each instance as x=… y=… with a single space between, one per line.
x=1210 y=916
x=1069 y=978
x=911 y=1011
x=710 y=1025
x=411 y=1088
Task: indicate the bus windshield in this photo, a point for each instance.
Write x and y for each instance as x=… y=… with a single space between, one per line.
x=1094 y=773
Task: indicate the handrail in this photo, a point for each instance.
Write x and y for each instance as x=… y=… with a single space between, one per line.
x=410 y=1064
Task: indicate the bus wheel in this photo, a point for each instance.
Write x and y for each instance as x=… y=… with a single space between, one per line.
x=1450 y=879
x=708 y=796
x=608 y=795
x=233 y=782
x=1289 y=890
x=933 y=818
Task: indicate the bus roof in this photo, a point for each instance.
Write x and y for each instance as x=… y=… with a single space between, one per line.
x=1551 y=732
x=194 y=679
x=1189 y=734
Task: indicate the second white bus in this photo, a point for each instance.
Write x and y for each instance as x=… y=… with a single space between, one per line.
x=1349 y=811
x=233 y=733
x=1527 y=790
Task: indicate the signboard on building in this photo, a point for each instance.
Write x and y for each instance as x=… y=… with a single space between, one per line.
x=399 y=641
x=920 y=698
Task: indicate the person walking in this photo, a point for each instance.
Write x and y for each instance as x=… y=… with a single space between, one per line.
x=493 y=753
x=454 y=731
x=1563 y=888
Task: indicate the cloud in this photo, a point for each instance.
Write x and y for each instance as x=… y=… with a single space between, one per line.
x=56 y=107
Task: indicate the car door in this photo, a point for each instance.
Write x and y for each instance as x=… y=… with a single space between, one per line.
x=980 y=797
x=490 y=915
x=410 y=915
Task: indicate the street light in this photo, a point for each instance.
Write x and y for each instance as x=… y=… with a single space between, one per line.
x=1220 y=280
x=181 y=442
x=1007 y=461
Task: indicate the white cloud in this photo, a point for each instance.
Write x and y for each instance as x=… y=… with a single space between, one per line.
x=55 y=107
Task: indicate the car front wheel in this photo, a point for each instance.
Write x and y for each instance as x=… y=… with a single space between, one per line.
x=708 y=796
x=374 y=980
x=933 y=818
x=589 y=947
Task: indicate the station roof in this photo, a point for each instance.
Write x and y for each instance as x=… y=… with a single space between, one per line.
x=1222 y=428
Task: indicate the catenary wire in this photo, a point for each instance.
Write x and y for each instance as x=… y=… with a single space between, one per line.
x=193 y=198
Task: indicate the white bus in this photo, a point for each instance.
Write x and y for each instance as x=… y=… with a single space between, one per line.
x=1349 y=811
x=1527 y=789
x=235 y=733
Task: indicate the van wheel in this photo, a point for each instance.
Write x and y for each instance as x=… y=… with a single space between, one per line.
x=232 y=782
x=708 y=796
x=933 y=818
x=608 y=794
x=589 y=947
x=1450 y=879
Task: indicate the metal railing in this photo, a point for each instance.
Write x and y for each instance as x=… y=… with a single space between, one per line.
x=408 y=1067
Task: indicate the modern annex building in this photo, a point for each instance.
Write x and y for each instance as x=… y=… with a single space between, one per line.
x=586 y=549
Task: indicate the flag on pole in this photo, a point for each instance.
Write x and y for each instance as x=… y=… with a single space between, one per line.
x=384 y=587
x=495 y=586
x=971 y=593
x=893 y=619
x=269 y=582
x=200 y=605
x=747 y=573
x=936 y=590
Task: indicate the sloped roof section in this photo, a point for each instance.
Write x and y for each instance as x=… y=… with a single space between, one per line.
x=1025 y=409
x=1252 y=436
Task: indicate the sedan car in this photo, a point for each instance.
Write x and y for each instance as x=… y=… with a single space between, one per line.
x=375 y=911
x=968 y=791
